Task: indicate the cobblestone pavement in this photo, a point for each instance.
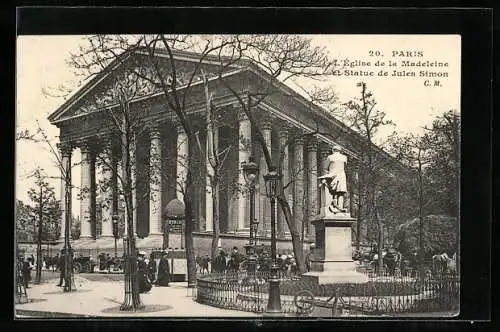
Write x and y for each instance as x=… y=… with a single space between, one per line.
x=102 y=298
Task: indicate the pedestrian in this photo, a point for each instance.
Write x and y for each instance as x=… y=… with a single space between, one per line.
x=109 y=262
x=26 y=270
x=163 y=270
x=62 y=275
x=142 y=270
x=152 y=269
x=219 y=265
x=390 y=261
x=55 y=263
x=235 y=260
x=309 y=256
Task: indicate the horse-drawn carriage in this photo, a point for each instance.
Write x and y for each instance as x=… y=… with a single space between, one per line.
x=110 y=263
x=83 y=264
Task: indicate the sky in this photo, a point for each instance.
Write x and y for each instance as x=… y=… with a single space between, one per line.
x=411 y=102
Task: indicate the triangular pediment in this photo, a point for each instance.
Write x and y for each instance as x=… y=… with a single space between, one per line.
x=133 y=77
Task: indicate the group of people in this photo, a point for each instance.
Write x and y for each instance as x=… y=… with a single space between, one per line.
x=235 y=261
x=392 y=260
x=106 y=261
x=149 y=273
x=223 y=263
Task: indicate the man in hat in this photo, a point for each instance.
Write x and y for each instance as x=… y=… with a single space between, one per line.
x=235 y=260
x=219 y=265
x=163 y=270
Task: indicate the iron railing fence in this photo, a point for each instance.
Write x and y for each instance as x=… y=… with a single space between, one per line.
x=241 y=291
x=382 y=294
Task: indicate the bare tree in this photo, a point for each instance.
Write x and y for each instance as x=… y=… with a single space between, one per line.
x=121 y=126
x=215 y=158
x=281 y=57
x=366 y=119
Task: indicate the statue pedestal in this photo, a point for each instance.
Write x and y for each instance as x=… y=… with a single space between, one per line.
x=331 y=261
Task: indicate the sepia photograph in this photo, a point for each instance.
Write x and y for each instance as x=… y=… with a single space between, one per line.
x=237 y=175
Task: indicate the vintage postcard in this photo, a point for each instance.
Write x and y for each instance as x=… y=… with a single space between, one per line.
x=230 y=175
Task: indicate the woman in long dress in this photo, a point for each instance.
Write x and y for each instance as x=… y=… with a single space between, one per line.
x=142 y=270
x=163 y=271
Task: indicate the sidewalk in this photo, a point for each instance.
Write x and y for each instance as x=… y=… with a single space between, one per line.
x=102 y=299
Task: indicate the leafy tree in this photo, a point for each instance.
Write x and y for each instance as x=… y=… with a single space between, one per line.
x=443 y=171
x=438 y=235
x=24 y=222
x=75 y=228
x=46 y=210
x=434 y=162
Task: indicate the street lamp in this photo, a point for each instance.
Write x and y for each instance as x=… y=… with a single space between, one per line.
x=272 y=180
x=250 y=172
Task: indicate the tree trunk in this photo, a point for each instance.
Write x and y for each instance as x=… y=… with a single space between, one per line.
x=127 y=192
x=380 y=245
x=421 y=220
x=294 y=232
x=188 y=238
x=215 y=221
x=38 y=277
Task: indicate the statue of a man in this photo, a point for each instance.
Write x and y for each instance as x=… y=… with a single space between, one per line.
x=337 y=181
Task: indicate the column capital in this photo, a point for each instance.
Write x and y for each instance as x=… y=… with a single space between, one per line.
x=154 y=130
x=65 y=148
x=299 y=140
x=242 y=116
x=283 y=133
x=178 y=127
x=84 y=145
x=312 y=144
x=266 y=124
x=325 y=149
x=106 y=142
x=284 y=129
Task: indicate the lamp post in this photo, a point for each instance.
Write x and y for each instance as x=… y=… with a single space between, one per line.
x=69 y=285
x=115 y=232
x=272 y=180
x=250 y=172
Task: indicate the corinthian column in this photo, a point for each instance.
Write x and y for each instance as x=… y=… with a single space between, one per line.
x=155 y=191
x=245 y=147
x=85 y=166
x=299 y=197
x=182 y=161
x=107 y=191
x=65 y=151
x=312 y=183
x=265 y=209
